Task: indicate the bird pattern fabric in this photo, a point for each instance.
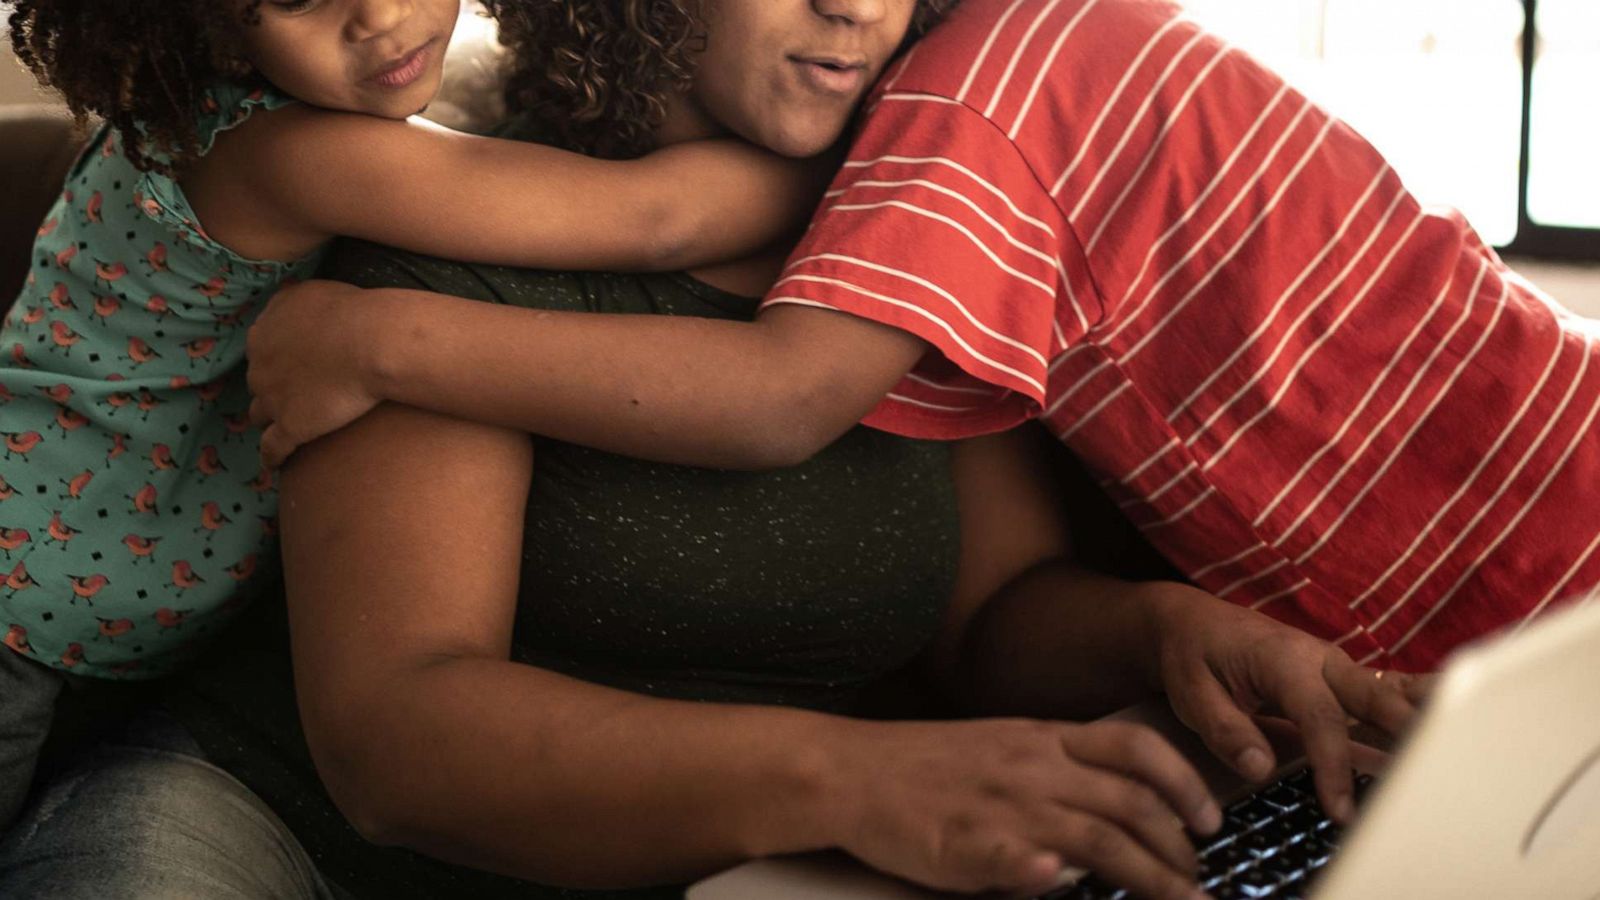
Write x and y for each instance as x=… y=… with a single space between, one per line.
x=134 y=513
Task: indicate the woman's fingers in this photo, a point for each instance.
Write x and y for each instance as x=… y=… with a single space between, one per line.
x=1202 y=703
x=1026 y=870
x=1009 y=865
x=1115 y=856
x=1005 y=805
x=1324 y=725
x=260 y=415
x=276 y=445
x=1418 y=688
x=1142 y=755
x=1136 y=810
x=1374 y=696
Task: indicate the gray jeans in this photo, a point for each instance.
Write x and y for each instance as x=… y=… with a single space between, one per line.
x=28 y=693
x=144 y=817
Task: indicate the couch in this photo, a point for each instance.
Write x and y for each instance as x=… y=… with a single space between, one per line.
x=37 y=146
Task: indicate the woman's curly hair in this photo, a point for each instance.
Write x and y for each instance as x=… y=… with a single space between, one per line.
x=594 y=75
x=141 y=65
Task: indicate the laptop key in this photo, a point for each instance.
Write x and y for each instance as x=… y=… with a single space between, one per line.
x=1254 y=812
x=1257 y=882
x=1317 y=852
x=1260 y=844
x=1227 y=860
x=1294 y=887
x=1217 y=842
x=1304 y=820
x=1228 y=891
x=1303 y=781
x=1297 y=855
x=1242 y=888
x=1283 y=796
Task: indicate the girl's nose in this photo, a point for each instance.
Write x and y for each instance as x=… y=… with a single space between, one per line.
x=855 y=12
x=375 y=18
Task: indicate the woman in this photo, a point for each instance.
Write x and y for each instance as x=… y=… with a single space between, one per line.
x=504 y=647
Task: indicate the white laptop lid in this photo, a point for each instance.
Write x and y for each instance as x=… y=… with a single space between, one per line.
x=1496 y=792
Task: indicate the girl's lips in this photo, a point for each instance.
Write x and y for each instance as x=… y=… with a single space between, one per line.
x=830 y=79
x=407 y=70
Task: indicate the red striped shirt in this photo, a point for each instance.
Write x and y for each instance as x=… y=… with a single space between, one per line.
x=1315 y=396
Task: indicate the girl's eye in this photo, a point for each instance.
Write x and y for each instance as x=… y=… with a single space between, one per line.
x=292 y=6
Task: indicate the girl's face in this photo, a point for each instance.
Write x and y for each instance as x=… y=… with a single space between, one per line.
x=379 y=57
x=788 y=74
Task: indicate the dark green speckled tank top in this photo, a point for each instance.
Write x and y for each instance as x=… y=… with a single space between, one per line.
x=796 y=588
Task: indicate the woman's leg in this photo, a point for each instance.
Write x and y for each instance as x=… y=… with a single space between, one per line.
x=28 y=694
x=143 y=817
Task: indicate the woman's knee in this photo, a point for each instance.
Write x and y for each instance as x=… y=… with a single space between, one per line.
x=151 y=823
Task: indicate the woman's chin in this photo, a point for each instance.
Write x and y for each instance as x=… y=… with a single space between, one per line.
x=798 y=141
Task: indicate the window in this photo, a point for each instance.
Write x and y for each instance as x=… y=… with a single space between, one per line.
x=1564 y=153
x=1440 y=87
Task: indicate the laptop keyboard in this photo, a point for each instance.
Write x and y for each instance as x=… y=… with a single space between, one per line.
x=1271 y=844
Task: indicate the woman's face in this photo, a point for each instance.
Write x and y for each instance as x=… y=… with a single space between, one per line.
x=788 y=74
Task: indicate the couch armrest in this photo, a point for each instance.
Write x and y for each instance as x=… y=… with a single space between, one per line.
x=37 y=146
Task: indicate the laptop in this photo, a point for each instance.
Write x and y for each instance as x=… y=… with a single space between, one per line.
x=1494 y=793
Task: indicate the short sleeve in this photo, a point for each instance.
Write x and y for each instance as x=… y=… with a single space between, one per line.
x=938 y=226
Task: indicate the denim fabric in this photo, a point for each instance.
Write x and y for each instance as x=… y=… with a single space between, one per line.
x=144 y=817
x=28 y=693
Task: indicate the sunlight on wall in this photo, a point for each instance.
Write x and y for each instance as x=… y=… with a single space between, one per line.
x=1436 y=85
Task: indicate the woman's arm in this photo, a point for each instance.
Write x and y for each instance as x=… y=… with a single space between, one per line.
x=1031 y=633
x=288 y=180
x=674 y=389
x=402 y=542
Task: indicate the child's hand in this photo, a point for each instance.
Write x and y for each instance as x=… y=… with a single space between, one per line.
x=307 y=371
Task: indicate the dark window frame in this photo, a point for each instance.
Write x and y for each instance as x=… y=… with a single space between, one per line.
x=1534 y=239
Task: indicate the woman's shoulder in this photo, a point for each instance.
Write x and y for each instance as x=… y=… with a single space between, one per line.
x=369 y=265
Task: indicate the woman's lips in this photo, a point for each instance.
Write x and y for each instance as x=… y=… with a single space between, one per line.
x=405 y=72
x=831 y=78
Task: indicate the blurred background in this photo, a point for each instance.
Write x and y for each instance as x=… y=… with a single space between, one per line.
x=1475 y=108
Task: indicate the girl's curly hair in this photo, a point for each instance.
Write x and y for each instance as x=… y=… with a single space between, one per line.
x=594 y=75
x=141 y=65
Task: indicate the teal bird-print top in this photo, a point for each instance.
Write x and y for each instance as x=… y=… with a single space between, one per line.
x=133 y=509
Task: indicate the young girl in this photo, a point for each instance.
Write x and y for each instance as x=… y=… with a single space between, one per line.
x=240 y=136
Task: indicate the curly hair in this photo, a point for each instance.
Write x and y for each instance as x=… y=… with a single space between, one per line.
x=594 y=75
x=141 y=65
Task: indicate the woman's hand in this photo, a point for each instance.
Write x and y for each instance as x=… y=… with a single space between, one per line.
x=1005 y=804
x=309 y=365
x=1220 y=664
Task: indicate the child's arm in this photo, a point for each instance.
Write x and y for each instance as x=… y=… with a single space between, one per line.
x=286 y=181
x=675 y=389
